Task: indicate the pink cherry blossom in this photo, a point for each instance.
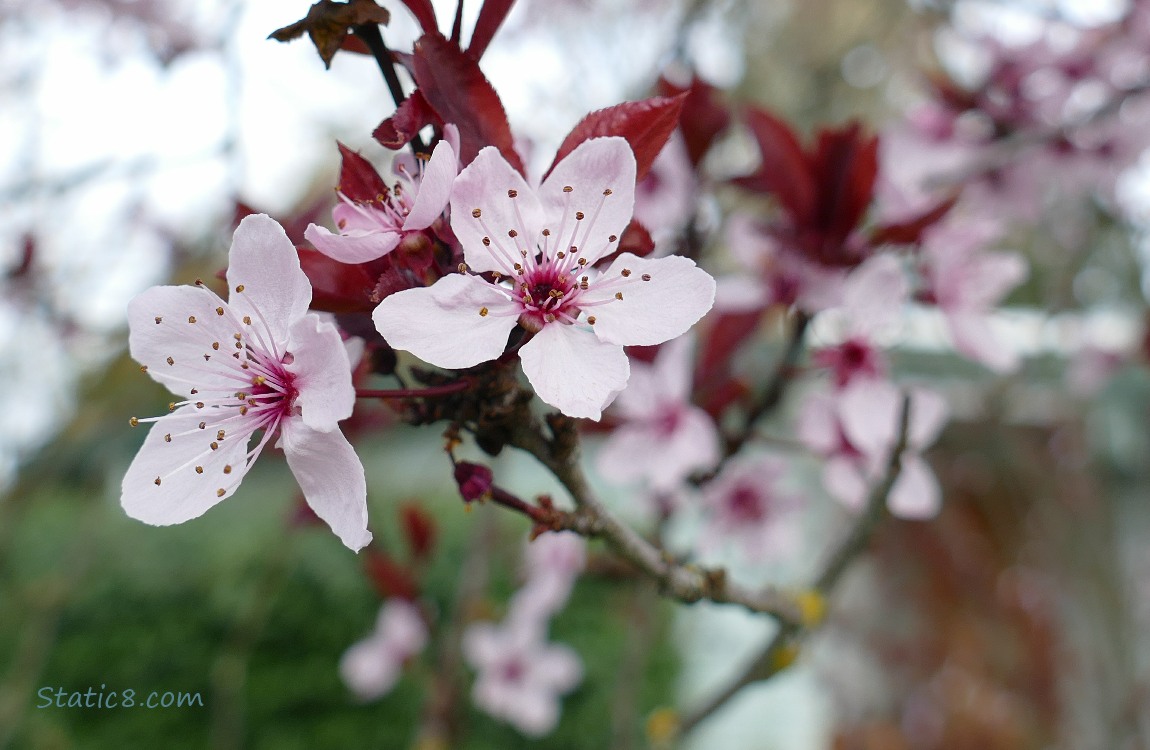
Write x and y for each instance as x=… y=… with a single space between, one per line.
x=537 y=249
x=746 y=505
x=521 y=676
x=663 y=438
x=967 y=283
x=552 y=562
x=371 y=667
x=372 y=229
x=856 y=428
x=258 y=362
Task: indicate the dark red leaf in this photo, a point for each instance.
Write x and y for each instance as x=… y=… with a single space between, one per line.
x=491 y=17
x=718 y=397
x=424 y=13
x=389 y=577
x=328 y=24
x=910 y=231
x=645 y=124
x=457 y=90
x=705 y=115
x=358 y=179
x=336 y=287
x=845 y=165
x=412 y=114
x=784 y=172
x=419 y=530
x=726 y=333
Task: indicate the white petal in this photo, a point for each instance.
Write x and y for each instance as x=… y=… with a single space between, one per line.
x=869 y=410
x=818 y=424
x=595 y=166
x=735 y=294
x=915 y=493
x=181 y=322
x=434 y=188
x=353 y=245
x=264 y=262
x=875 y=293
x=674 y=368
x=183 y=492
x=369 y=669
x=331 y=477
x=483 y=186
x=573 y=371
x=844 y=480
x=322 y=373
x=443 y=324
x=928 y=415
x=557 y=667
x=678 y=294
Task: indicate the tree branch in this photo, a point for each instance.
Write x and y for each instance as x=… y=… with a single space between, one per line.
x=373 y=38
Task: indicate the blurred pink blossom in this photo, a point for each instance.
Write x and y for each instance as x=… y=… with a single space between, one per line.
x=371 y=667
x=746 y=505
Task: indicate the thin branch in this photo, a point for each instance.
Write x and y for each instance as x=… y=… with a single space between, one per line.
x=433 y=390
x=780 y=652
x=372 y=37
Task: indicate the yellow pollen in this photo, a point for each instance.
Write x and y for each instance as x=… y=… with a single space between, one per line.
x=134 y=422
x=612 y=238
x=608 y=191
x=560 y=255
x=487 y=242
x=199 y=469
x=591 y=319
x=157 y=482
x=171 y=406
x=191 y=318
x=618 y=295
x=219 y=311
x=143 y=368
x=483 y=312
x=247 y=320
x=216 y=345
x=227 y=468
x=518 y=267
x=251 y=402
x=159 y=319
x=199 y=404
x=243 y=410
x=239 y=287
x=582 y=261
x=221 y=492
x=462 y=268
x=567 y=188
x=168 y=438
x=202 y=425
x=239 y=345
x=549 y=318
x=578 y=216
x=237 y=336
x=259 y=380
x=220 y=435
x=214 y=446
x=475 y=212
x=512 y=233
x=555 y=293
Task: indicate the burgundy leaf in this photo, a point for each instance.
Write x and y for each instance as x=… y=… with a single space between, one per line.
x=419 y=530
x=336 y=287
x=424 y=13
x=455 y=87
x=389 y=577
x=845 y=165
x=645 y=124
x=412 y=114
x=784 y=172
x=725 y=335
x=910 y=231
x=358 y=180
x=491 y=17
x=704 y=115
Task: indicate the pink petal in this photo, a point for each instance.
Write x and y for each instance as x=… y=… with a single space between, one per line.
x=928 y=415
x=263 y=261
x=179 y=322
x=355 y=245
x=369 y=669
x=183 y=492
x=989 y=277
x=434 y=188
x=818 y=424
x=573 y=371
x=677 y=295
x=869 y=410
x=557 y=668
x=844 y=480
x=442 y=324
x=322 y=373
x=915 y=493
x=331 y=477
x=483 y=186
x=740 y=294
x=596 y=166
x=974 y=337
x=674 y=367
x=875 y=293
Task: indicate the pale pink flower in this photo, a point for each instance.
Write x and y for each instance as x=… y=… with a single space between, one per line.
x=370 y=229
x=552 y=562
x=856 y=428
x=967 y=283
x=258 y=362
x=746 y=505
x=521 y=676
x=538 y=247
x=663 y=438
x=371 y=667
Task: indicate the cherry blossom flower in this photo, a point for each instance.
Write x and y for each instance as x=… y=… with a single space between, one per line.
x=372 y=226
x=967 y=283
x=371 y=667
x=552 y=561
x=521 y=676
x=744 y=504
x=856 y=428
x=664 y=438
x=537 y=250
x=258 y=362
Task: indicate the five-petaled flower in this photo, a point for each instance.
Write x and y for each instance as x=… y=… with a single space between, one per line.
x=258 y=362
x=531 y=254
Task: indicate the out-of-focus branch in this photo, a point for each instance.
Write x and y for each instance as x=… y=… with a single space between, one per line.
x=559 y=452
x=781 y=651
x=373 y=38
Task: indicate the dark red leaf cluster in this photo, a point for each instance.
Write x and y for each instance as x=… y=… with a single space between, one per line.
x=704 y=115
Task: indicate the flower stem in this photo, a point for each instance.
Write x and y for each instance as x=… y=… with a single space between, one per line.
x=372 y=37
x=433 y=390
